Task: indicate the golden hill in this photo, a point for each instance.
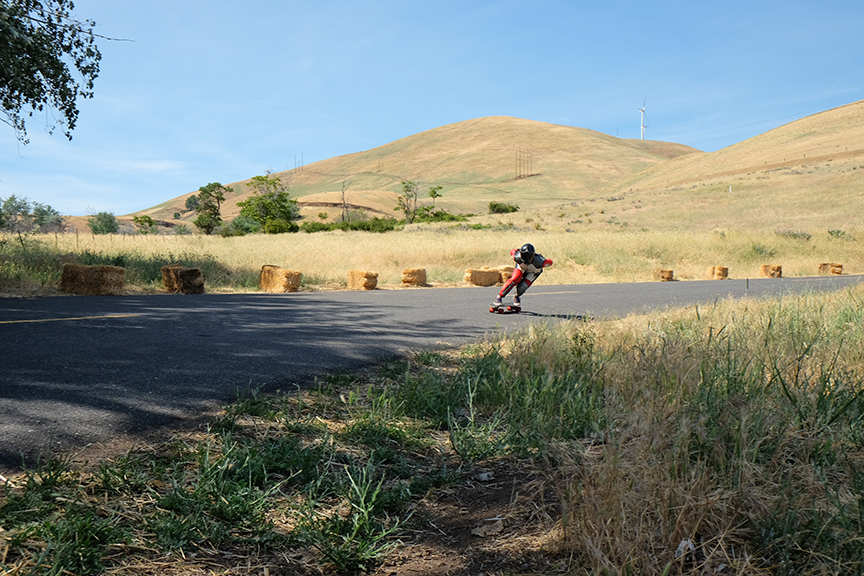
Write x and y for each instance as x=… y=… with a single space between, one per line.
x=809 y=173
x=476 y=161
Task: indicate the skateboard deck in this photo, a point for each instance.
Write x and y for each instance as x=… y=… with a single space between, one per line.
x=505 y=309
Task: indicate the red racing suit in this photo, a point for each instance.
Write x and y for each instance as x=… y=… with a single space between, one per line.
x=524 y=274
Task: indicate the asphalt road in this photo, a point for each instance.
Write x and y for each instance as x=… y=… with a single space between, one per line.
x=79 y=370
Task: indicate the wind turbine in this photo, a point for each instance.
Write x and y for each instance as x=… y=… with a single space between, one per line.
x=643 y=117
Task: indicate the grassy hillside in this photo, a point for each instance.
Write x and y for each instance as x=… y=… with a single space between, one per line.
x=476 y=161
x=805 y=176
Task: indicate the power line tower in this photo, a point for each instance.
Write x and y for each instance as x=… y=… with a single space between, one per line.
x=524 y=164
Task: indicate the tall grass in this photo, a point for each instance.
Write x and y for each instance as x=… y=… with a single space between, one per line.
x=732 y=434
x=736 y=431
x=590 y=257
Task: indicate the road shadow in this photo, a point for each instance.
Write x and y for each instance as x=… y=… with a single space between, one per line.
x=578 y=317
x=78 y=371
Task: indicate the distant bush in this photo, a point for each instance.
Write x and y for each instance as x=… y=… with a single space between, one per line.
x=429 y=214
x=471 y=227
x=311 y=227
x=240 y=226
x=794 y=235
x=502 y=208
x=374 y=225
x=371 y=225
x=279 y=226
x=103 y=223
x=840 y=235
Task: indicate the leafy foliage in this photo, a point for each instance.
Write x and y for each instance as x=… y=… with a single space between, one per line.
x=239 y=226
x=22 y=215
x=270 y=201
x=502 y=208
x=40 y=41
x=407 y=202
x=280 y=226
x=209 y=207
x=371 y=225
x=103 y=223
x=146 y=224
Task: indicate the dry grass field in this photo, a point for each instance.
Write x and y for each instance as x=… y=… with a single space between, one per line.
x=580 y=257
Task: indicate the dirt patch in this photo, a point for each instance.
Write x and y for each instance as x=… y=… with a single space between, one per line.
x=495 y=523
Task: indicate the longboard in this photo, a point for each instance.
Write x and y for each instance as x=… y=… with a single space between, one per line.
x=505 y=309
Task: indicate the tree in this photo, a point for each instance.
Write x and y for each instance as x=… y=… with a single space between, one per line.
x=146 y=224
x=40 y=40
x=210 y=198
x=47 y=218
x=269 y=201
x=408 y=202
x=191 y=202
x=16 y=213
x=435 y=193
x=22 y=215
x=103 y=223
x=280 y=226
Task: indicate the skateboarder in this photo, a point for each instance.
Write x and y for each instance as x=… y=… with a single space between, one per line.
x=529 y=266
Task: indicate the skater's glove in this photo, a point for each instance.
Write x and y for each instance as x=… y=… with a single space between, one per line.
x=513 y=251
x=547 y=262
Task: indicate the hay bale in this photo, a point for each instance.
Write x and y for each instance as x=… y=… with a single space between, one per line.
x=276 y=279
x=414 y=277
x=362 y=280
x=483 y=277
x=771 y=271
x=717 y=273
x=170 y=277
x=664 y=275
x=831 y=268
x=92 y=280
x=179 y=279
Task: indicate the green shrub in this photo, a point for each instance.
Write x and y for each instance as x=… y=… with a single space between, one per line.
x=240 y=226
x=840 y=235
x=372 y=225
x=794 y=234
x=311 y=227
x=279 y=226
x=502 y=208
x=430 y=214
x=103 y=223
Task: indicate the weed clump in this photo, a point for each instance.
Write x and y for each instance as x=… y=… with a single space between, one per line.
x=502 y=208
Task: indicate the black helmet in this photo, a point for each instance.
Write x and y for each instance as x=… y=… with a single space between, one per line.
x=526 y=253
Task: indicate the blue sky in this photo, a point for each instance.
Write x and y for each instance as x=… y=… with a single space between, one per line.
x=218 y=90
